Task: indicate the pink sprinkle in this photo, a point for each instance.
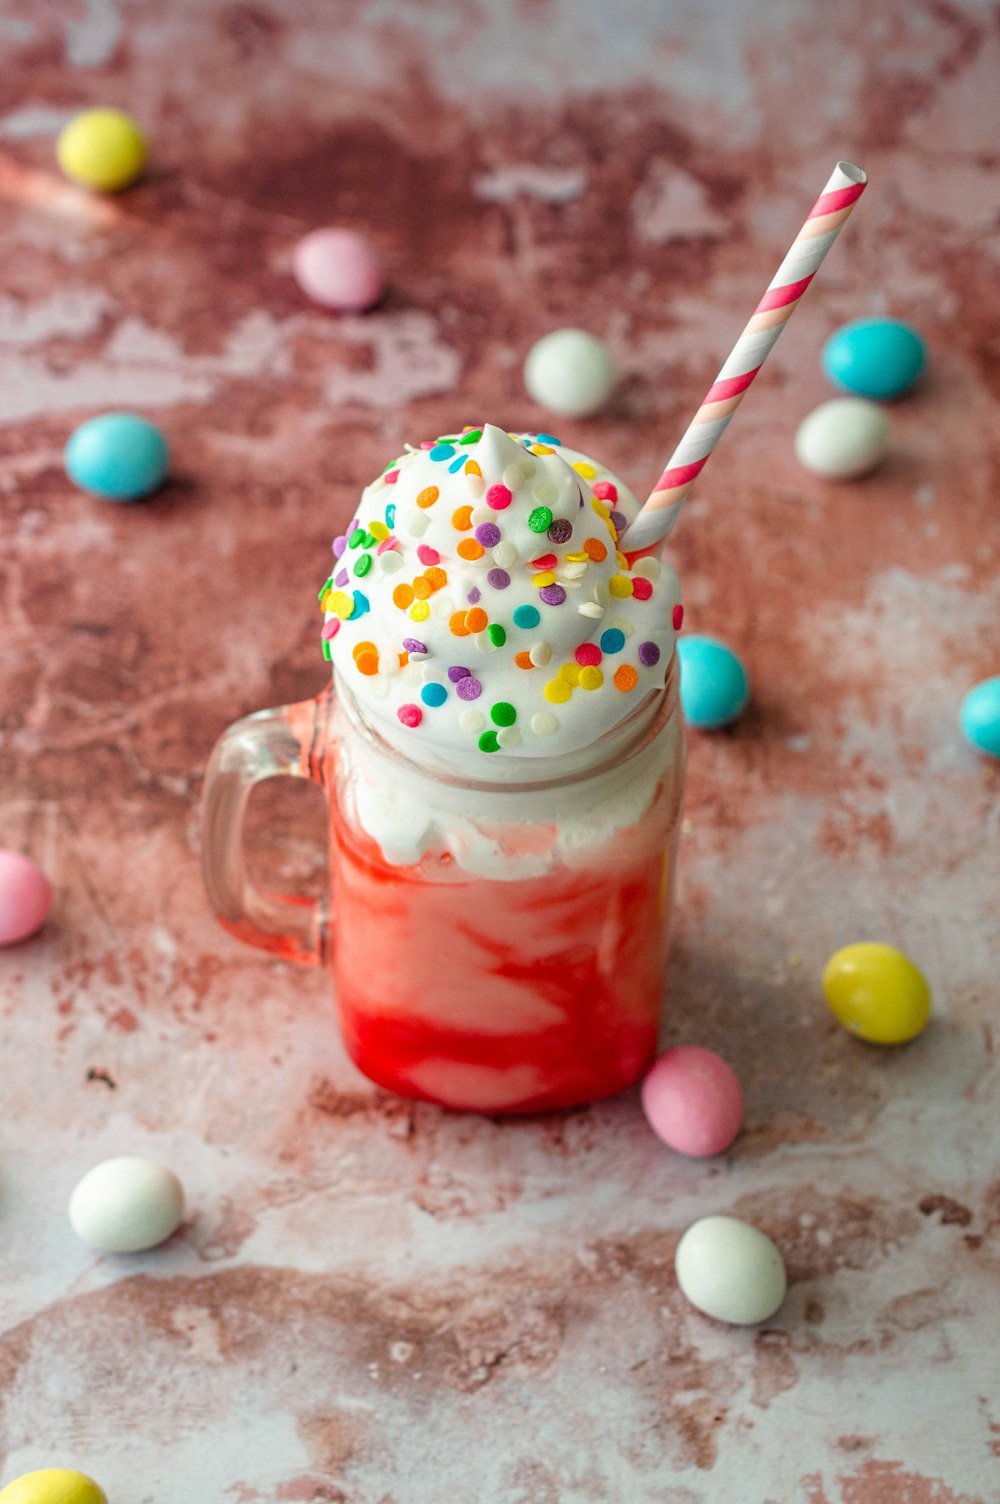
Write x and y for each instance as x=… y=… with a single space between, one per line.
x=332 y=628
x=427 y=443
x=391 y=542
x=410 y=715
x=678 y=616
x=428 y=555
x=498 y=497
x=588 y=655
x=641 y=588
x=605 y=491
x=547 y=561
x=390 y=477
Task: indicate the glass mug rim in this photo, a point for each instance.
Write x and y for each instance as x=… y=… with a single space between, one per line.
x=646 y=720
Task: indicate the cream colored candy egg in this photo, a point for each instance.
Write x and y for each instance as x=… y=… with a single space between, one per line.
x=53 y=1485
x=843 y=439
x=730 y=1270
x=126 y=1205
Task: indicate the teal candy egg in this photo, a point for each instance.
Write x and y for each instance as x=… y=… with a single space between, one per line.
x=980 y=716
x=715 y=687
x=118 y=456
x=874 y=357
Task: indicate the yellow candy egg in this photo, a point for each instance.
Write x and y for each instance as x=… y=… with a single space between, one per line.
x=102 y=149
x=53 y=1485
x=877 y=993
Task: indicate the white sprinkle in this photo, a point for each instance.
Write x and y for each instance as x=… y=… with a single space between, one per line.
x=485 y=643
x=428 y=673
x=481 y=515
x=513 y=476
x=442 y=605
x=472 y=720
x=544 y=724
x=543 y=492
x=419 y=657
x=620 y=624
x=378 y=685
x=602 y=593
x=591 y=609
x=476 y=485
x=529 y=465
x=391 y=561
x=505 y=554
x=649 y=568
x=417 y=525
x=388 y=662
x=509 y=736
x=572 y=571
x=540 y=653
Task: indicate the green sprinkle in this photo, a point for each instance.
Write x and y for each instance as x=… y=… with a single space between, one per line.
x=471 y=438
x=497 y=635
x=363 y=564
x=357 y=538
x=327 y=650
x=540 y=520
x=502 y=714
x=370 y=540
x=488 y=742
x=325 y=588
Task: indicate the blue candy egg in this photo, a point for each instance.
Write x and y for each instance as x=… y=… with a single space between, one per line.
x=980 y=716
x=118 y=456
x=715 y=686
x=874 y=357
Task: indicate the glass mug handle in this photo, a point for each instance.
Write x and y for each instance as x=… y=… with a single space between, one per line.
x=287 y=741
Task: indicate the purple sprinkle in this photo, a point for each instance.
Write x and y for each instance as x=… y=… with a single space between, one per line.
x=473 y=596
x=457 y=673
x=351 y=527
x=498 y=578
x=620 y=521
x=341 y=578
x=561 y=530
x=339 y=544
x=552 y=595
x=488 y=534
x=649 y=653
x=414 y=645
x=468 y=688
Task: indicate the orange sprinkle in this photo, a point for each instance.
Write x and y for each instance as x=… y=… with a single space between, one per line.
x=472 y=467
x=470 y=549
x=367 y=663
x=403 y=596
x=421 y=588
x=626 y=678
x=461 y=519
x=523 y=660
x=404 y=659
x=363 y=647
x=476 y=620
x=435 y=577
x=428 y=496
x=456 y=622
x=595 y=549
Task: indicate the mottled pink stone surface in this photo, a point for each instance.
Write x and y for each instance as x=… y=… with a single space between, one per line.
x=376 y=1304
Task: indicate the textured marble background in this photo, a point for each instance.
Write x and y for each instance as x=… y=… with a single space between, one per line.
x=376 y=1304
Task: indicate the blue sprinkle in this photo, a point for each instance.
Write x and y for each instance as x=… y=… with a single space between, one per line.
x=442 y=451
x=612 y=641
x=456 y=465
x=549 y=438
x=361 y=605
x=434 y=694
x=390 y=514
x=528 y=616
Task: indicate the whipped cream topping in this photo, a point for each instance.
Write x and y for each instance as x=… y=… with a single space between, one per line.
x=479 y=605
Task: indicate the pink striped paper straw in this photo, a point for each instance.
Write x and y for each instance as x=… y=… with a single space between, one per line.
x=827 y=217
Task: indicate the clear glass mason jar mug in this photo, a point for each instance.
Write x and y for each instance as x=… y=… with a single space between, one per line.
x=496 y=946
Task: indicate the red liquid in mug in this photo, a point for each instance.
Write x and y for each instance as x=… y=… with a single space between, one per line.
x=505 y=995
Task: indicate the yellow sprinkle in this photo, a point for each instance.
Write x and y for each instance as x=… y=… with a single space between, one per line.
x=545 y=578
x=341 y=603
x=622 y=561
x=620 y=586
x=599 y=507
x=576 y=558
x=570 y=673
x=557 y=691
x=419 y=611
x=378 y=530
x=591 y=677
x=612 y=531
x=472 y=468
x=542 y=449
x=324 y=600
x=582 y=468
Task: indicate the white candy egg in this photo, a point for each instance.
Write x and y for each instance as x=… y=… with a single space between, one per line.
x=570 y=372
x=730 y=1270
x=126 y=1205
x=843 y=438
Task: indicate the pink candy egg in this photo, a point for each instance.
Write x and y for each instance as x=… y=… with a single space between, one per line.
x=693 y=1101
x=25 y=897
x=338 y=269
